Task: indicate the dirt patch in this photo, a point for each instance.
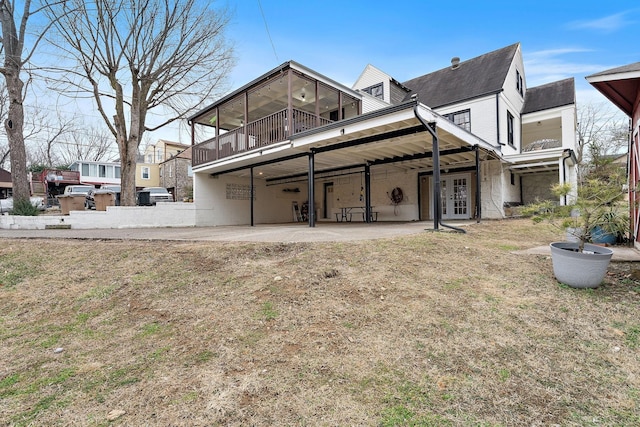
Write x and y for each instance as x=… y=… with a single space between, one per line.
x=431 y=329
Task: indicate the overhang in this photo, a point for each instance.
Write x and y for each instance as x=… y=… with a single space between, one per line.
x=620 y=85
x=393 y=137
x=540 y=161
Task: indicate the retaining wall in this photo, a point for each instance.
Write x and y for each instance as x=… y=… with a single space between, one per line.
x=177 y=214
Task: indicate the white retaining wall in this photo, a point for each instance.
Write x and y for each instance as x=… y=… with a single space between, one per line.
x=176 y=214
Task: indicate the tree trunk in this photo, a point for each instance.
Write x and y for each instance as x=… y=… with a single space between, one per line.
x=128 y=156
x=14 y=125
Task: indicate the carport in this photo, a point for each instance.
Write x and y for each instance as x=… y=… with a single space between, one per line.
x=404 y=137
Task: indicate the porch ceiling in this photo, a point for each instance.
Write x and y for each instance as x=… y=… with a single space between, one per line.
x=399 y=143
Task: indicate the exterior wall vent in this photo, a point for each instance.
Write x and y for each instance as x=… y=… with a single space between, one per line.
x=455 y=63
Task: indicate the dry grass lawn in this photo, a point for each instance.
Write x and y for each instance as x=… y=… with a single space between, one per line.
x=435 y=329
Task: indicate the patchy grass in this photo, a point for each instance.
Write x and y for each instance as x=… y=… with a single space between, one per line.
x=435 y=329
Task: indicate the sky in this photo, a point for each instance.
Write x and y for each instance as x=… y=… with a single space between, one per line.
x=406 y=39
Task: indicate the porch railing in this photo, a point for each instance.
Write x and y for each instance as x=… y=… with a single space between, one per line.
x=258 y=134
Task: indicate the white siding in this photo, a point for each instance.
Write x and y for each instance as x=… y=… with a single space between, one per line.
x=483 y=116
x=372 y=76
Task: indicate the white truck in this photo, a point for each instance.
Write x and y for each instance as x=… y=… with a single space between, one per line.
x=77 y=189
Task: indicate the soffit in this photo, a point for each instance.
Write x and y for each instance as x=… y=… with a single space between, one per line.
x=401 y=145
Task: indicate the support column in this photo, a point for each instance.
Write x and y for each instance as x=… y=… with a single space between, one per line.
x=251 y=192
x=437 y=208
x=367 y=192
x=478 y=184
x=311 y=209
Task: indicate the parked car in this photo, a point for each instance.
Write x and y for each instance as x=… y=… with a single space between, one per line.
x=149 y=196
x=77 y=189
x=90 y=197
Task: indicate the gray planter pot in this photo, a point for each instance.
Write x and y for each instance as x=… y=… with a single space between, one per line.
x=580 y=270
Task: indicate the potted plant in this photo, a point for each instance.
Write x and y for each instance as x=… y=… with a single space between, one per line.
x=577 y=262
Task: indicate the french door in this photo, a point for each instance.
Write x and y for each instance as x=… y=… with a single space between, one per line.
x=455 y=197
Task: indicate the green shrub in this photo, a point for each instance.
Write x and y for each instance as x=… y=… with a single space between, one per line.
x=24 y=207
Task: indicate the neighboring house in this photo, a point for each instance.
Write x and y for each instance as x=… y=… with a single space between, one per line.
x=6 y=184
x=97 y=173
x=621 y=86
x=176 y=175
x=148 y=166
x=295 y=137
x=147 y=175
x=162 y=150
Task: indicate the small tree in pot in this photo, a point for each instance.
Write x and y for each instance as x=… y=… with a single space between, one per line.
x=579 y=263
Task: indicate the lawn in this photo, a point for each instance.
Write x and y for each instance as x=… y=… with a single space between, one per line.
x=433 y=329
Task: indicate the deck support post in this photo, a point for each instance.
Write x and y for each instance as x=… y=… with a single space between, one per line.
x=311 y=206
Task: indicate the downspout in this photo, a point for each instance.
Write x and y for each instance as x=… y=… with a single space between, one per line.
x=564 y=171
x=478 y=184
x=498 y=117
x=437 y=217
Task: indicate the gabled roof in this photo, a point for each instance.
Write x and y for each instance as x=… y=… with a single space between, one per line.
x=550 y=95
x=173 y=144
x=620 y=85
x=475 y=77
x=635 y=67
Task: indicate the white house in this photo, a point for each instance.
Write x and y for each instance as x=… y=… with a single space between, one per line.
x=295 y=138
x=97 y=173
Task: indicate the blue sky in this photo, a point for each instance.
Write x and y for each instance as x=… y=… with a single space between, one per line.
x=409 y=38
x=559 y=39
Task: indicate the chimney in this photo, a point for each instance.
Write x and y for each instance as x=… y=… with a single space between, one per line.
x=455 y=62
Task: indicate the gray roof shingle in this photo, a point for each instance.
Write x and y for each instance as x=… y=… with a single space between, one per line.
x=475 y=77
x=550 y=95
x=624 y=69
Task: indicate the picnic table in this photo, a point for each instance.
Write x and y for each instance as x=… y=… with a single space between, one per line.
x=346 y=213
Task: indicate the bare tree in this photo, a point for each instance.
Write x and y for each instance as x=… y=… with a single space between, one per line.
x=4 y=103
x=92 y=143
x=135 y=56
x=43 y=133
x=602 y=132
x=14 y=31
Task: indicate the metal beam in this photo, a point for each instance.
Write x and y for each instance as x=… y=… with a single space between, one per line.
x=369 y=139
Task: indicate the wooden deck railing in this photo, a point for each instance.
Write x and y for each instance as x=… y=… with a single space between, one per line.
x=261 y=133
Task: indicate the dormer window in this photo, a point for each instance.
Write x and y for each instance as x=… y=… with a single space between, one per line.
x=375 y=90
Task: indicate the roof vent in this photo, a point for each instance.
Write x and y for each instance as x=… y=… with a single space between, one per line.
x=455 y=63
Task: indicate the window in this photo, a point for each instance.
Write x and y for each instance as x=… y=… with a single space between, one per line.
x=85 y=169
x=117 y=172
x=510 y=138
x=145 y=172
x=93 y=170
x=149 y=158
x=461 y=118
x=102 y=171
x=519 y=83
x=375 y=90
x=159 y=159
x=189 y=170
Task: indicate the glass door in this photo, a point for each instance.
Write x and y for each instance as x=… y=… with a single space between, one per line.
x=455 y=196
